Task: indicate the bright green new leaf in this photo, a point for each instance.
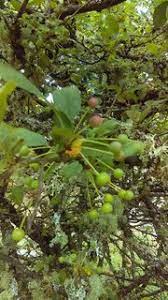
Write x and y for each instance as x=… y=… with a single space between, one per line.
x=5 y=91
x=72 y=169
x=8 y=73
x=68 y=101
x=160 y=15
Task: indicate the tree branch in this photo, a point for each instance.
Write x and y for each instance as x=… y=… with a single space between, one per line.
x=91 y=6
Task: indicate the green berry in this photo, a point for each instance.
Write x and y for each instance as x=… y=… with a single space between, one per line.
x=123 y=138
x=106 y=208
x=102 y=179
x=129 y=195
x=93 y=214
x=34 y=184
x=34 y=166
x=108 y=198
x=118 y=173
x=61 y=259
x=24 y=151
x=122 y=194
x=18 y=234
x=115 y=147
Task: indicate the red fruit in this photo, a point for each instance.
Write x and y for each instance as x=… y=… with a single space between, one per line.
x=95 y=121
x=93 y=102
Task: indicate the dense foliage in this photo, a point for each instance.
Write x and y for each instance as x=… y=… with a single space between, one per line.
x=83 y=149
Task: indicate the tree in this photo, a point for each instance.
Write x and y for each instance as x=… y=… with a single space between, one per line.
x=83 y=149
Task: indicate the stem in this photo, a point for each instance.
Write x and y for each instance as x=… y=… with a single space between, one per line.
x=81 y=119
x=96 y=142
x=89 y=163
x=98 y=150
x=83 y=129
x=115 y=187
x=88 y=194
x=106 y=165
x=94 y=185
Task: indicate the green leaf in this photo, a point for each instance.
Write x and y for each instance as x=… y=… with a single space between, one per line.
x=32 y=139
x=5 y=91
x=8 y=73
x=72 y=169
x=160 y=15
x=107 y=127
x=17 y=194
x=68 y=101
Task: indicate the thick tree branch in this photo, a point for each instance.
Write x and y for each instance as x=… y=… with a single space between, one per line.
x=91 y=6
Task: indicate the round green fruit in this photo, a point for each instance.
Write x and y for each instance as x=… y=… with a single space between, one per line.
x=102 y=179
x=61 y=259
x=115 y=147
x=122 y=194
x=24 y=151
x=106 y=208
x=129 y=195
x=123 y=138
x=34 y=184
x=34 y=166
x=93 y=214
x=108 y=198
x=118 y=173
x=18 y=234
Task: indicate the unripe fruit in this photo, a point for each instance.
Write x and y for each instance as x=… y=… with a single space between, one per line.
x=115 y=147
x=108 y=198
x=93 y=102
x=18 y=234
x=102 y=179
x=118 y=173
x=34 y=184
x=34 y=166
x=122 y=194
x=93 y=214
x=24 y=151
x=106 y=208
x=123 y=138
x=120 y=156
x=95 y=121
x=129 y=195
x=61 y=259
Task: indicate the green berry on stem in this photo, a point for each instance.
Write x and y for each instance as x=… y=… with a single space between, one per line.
x=18 y=234
x=108 y=198
x=24 y=151
x=129 y=195
x=106 y=208
x=34 y=166
x=102 y=179
x=34 y=184
x=122 y=194
x=123 y=138
x=115 y=147
x=118 y=173
x=93 y=214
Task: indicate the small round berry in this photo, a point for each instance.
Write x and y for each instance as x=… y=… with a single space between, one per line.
x=93 y=102
x=34 y=184
x=18 y=234
x=108 y=198
x=106 y=208
x=118 y=173
x=102 y=179
x=129 y=195
x=34 y=166
x=122 y=194
x=115 y=147
x=93 y=214
x=123 y=138
x=24 y=151
x=95 y=121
